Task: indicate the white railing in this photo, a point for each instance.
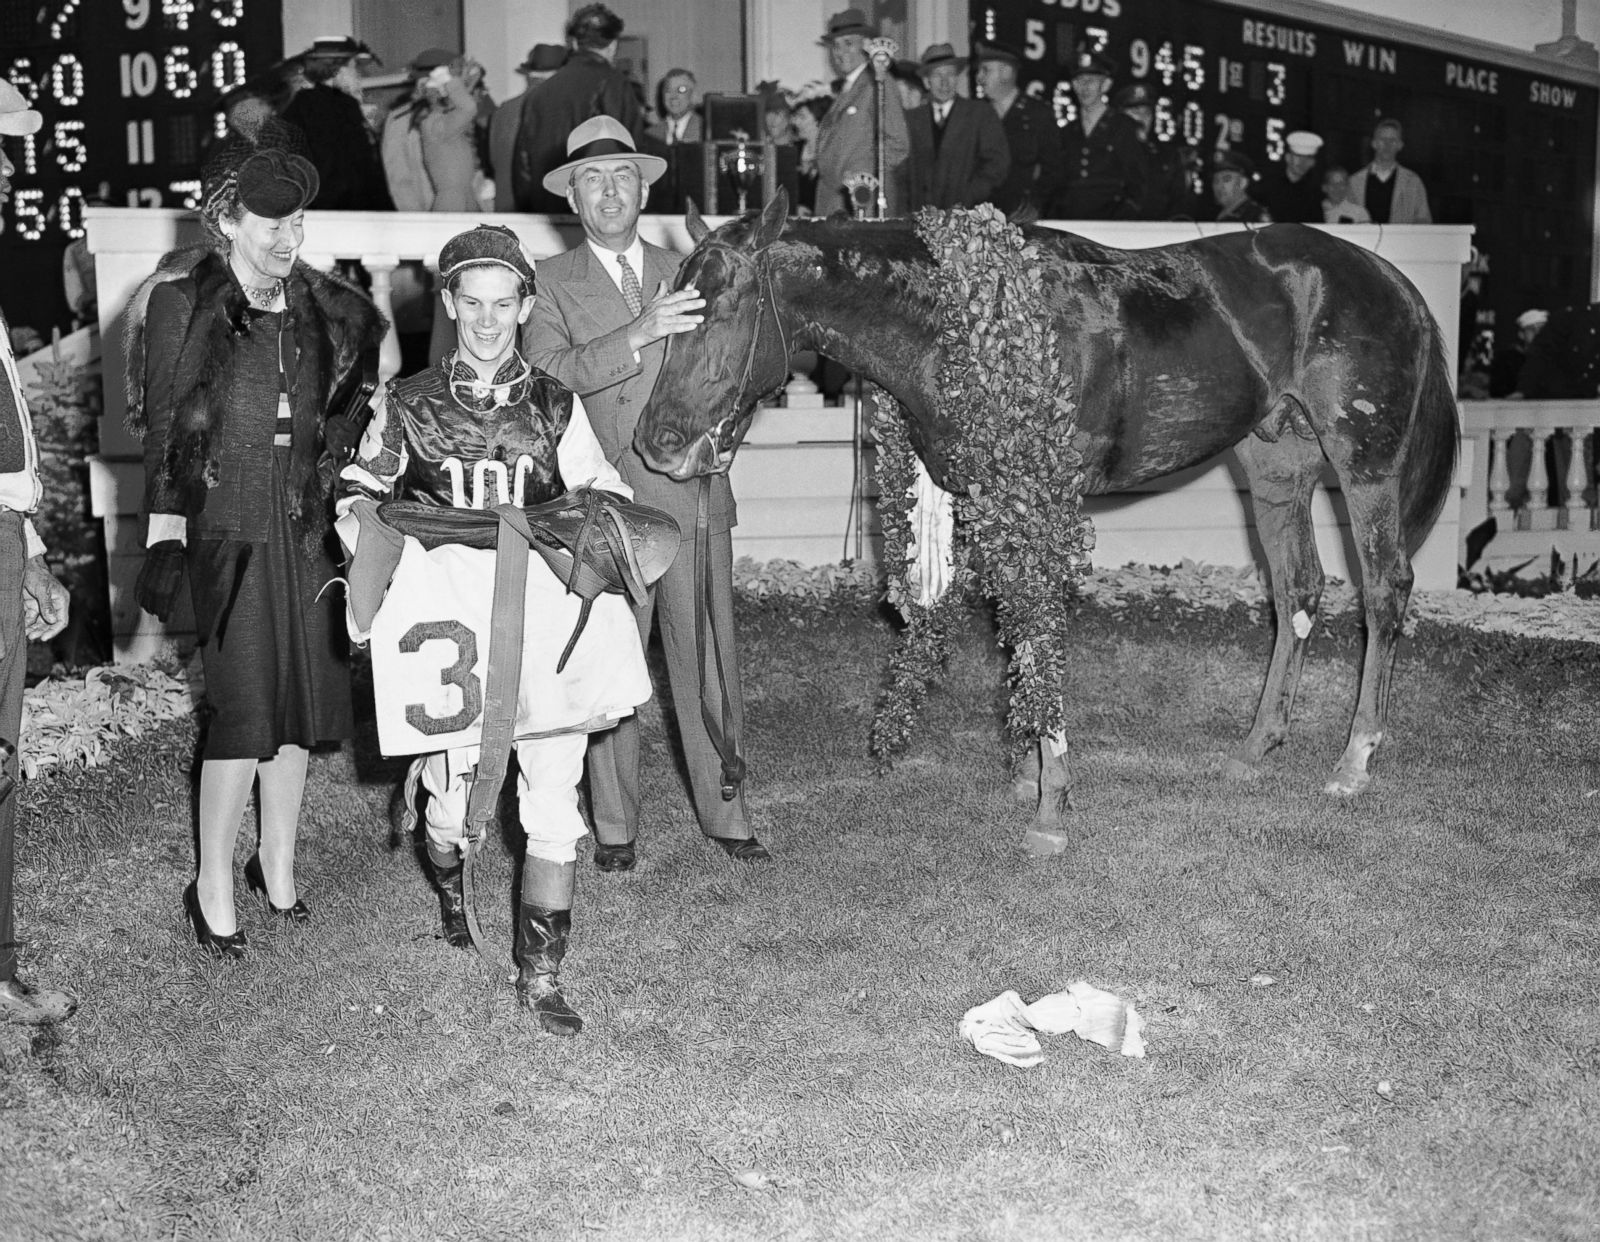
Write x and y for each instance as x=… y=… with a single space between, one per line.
x=1507 y=449
x=801 y=488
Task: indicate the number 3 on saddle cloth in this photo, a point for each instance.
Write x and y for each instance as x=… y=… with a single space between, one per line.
x=503 y=623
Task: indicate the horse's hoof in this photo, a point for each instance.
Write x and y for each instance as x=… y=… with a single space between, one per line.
x=1025 y=792
x=1042 y=843
x=1240 y=772
x=1346 y=784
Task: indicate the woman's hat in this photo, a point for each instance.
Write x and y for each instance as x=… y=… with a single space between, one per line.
x=340 y=47
x=601 y=138
x=487 y=245
x=275 y=183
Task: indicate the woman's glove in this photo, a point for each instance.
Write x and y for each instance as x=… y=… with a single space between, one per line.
x=159 y=578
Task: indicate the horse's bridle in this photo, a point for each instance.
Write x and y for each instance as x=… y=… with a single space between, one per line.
x=719 y=437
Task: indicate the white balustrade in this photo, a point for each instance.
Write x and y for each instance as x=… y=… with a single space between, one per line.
x=1506 y=445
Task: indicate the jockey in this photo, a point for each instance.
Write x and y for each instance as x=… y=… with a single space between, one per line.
x=483 y=428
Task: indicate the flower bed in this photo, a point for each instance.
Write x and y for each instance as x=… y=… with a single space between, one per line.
x=69 y=721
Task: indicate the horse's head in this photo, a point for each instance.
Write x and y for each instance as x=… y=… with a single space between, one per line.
x=713 y=377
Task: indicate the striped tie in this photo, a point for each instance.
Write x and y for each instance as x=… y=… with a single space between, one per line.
x=630 y=286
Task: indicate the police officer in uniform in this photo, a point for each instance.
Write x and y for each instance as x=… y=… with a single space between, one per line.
x=1107 y=166
x=1031 y=133
x=1232 y=177
x=1168 y=193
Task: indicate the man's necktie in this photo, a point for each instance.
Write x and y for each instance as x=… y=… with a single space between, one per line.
x=631 y=292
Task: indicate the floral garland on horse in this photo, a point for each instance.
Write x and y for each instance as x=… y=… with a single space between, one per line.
x=1019 y=535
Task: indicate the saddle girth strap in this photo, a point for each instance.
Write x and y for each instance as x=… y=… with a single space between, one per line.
x=724 y=733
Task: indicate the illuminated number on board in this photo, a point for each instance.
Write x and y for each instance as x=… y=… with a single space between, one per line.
x=30 y=155
x=30 y=214
x=227 y=12
x=177 y=13
x=1139 y=57
x=1278 y=90
x=179 y=73
x=1194 y=66
x=148 y=197
x=141 y=142
x=1165 y=65
x=1275 y=128
x=1194 y=124
x=1166 y=125
x=1036 y=46
x=1098 y=37
x=188 y=193
x=459 y=674
x=227 y=66
x=138 y=12
x=22 y=79
x=1065 y=104
x=139 y=75
x=71 y=154
x=69 y=209
x=66 y=81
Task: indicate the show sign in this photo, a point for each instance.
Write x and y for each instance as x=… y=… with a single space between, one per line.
x=1500 y=146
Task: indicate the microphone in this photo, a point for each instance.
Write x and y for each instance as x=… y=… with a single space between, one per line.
x=882 y=52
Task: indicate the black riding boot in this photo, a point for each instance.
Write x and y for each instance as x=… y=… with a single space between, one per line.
x=452 y=904
x=541 y=944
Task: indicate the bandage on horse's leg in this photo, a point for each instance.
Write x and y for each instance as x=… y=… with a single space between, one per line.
x=1045 y=836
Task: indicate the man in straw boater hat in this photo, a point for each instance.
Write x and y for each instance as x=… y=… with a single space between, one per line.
x=599 y=325
x=481 y=429
x=959 y=156
x=33 y=605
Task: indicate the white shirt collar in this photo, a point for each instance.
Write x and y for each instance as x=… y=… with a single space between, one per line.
x=850 y=78
x=942 y=110
x=608 y=260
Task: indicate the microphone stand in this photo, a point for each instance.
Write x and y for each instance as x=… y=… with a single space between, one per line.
x=882 y=52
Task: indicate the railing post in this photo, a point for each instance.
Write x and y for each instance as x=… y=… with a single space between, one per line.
x=1577 y=509
x=1499 y=477
x=380 y=267
x=1538 y=476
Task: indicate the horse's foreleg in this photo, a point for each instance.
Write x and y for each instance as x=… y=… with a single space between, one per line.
x=1282 y=476
x=1046 y=835
x=1386 y=589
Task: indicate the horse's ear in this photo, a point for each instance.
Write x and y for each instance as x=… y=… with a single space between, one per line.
x=692 y=221
x=773 y=217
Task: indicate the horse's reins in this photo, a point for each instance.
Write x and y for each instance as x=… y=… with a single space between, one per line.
x=724 y=733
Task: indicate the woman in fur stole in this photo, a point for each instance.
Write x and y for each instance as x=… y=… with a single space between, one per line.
x=243 y=348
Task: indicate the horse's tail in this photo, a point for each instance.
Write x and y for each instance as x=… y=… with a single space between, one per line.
x=1430 y=461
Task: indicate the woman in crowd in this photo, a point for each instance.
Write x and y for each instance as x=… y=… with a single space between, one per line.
x=430 y=140
x=244 y=347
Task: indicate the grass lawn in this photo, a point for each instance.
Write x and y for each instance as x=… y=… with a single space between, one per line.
x=771 y=1052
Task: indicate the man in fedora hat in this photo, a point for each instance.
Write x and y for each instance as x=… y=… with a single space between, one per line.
x=1032 y=137
x=1106 y=167
x=33 y=605
x=1232 y=177
x=542 y=61
x=589 y=84
x=599 y=325
x=1293 y=191
x=847 y=137
x=959 y=156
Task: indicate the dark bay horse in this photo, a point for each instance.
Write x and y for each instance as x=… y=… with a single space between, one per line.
x=1285 y=343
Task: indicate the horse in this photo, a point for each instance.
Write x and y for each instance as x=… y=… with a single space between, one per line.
x=1287 y=344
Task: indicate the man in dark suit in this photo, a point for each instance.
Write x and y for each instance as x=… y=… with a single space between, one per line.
x=1031 y=132
x=587 y=85
x=543 y=60
x=847 y=137
x=959 y=156
x=596 y=330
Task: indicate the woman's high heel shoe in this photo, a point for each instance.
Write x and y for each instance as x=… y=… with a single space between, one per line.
x=232 y=946
x=257 y=880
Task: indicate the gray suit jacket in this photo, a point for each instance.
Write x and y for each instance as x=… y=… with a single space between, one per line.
x=578 y=333
x=1410 y=203
x=845 y=144
x=967 y=165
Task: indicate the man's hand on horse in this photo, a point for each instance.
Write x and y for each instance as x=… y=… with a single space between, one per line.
x=666 y=314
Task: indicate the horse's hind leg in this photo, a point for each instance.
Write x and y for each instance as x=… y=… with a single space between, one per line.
x=1386 y=589
x=1283 y=476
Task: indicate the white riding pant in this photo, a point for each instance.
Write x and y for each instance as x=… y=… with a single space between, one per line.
x=549 y=769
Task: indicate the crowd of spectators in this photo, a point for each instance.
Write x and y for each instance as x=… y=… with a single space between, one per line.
x=445 y=146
